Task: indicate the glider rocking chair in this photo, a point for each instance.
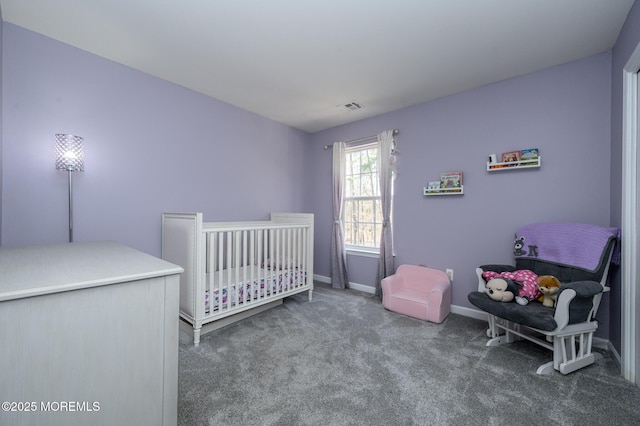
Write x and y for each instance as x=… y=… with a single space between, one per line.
x=578 y=255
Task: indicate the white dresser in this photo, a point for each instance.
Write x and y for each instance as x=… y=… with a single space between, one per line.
x=88 y=335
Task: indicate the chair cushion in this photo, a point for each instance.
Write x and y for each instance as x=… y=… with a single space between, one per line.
x=533 y=315
x=537 y=315
x=410 y=294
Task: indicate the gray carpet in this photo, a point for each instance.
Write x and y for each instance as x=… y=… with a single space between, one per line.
x=342 y=359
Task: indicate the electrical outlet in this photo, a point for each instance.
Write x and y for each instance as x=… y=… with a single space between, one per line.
x=450 y=273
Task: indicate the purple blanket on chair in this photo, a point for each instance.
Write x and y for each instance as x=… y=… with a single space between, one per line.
x=574 y=244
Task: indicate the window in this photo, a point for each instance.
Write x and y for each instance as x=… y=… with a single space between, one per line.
x=362 y=205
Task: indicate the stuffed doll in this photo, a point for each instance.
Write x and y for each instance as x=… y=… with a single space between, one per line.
x=501 y=289
x=526 y=280
x=549 y=287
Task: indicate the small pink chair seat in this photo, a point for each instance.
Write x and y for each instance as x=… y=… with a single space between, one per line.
x=418 y=292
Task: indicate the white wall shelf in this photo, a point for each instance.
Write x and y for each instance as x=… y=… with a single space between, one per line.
x=514 y=165
x=444 y=191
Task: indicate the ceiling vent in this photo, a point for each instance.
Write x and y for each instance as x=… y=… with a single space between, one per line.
x=352 y=106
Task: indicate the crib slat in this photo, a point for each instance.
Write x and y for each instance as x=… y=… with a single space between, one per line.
x=272 y=239
x=236 y=257
x=277 y=270
x=259 y=261
x=287 y=277
x=252 y=263
x=232 y=294
x=301 y=254
x=243 y=284
x=219 y=287
x=294 y=259
x=211 y=251
x=264 y=258
x=303 y=270
x=298 y=256
x=291 y=266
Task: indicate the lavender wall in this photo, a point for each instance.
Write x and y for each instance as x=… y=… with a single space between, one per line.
x=150 y=146
x=563 y=111
x=627 y=41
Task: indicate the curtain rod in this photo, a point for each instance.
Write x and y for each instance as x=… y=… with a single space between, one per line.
x=395 y=132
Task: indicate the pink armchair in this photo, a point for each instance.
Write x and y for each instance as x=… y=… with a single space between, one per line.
x=418 y=292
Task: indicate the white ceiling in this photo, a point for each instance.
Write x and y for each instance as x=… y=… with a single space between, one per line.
x=295 y=61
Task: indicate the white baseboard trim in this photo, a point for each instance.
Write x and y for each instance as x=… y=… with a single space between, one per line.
x=354 y=286
x=363 y=288
x=469 y=312
x=611 y=349
x=321 y=278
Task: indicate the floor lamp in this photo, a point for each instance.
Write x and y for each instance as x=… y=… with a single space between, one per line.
x=70 y=157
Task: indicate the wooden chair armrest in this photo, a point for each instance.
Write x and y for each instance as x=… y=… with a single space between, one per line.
x=562 y=308
x=569 y=292
x=479 y=272
x=583 y=288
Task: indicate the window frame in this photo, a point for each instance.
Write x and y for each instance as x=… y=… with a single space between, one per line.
x=367 y=251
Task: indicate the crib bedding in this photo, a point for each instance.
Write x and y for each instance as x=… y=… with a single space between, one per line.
x=264 y=279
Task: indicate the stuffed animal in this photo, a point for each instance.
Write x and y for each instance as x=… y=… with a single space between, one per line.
x=526 y=280
x=501 y=289
x=549 y=287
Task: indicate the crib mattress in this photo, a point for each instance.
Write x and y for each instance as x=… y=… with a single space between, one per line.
x=269 y=282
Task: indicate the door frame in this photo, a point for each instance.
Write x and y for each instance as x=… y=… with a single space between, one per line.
x=630 y=250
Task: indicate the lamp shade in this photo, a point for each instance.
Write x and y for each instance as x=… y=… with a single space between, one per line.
x=69 y=153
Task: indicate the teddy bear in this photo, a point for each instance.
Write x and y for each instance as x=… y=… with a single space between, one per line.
x=501 y=289
x=549 y=287
x=526 y=280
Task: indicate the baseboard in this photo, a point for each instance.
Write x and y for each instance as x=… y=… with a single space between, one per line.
x=363 y=288
x=468 y=312
x=354 y=286
x=613 y=351
x=321 y=278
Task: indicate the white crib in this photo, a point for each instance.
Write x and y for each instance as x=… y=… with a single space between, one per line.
x=236 y=269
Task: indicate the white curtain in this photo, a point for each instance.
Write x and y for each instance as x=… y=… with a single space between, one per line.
x=386 y=170
x=339 y=278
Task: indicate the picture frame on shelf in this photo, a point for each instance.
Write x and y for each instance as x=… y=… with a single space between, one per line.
x=433 y=186
x=511 y=157
x=451 y=181
x=529 y=154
